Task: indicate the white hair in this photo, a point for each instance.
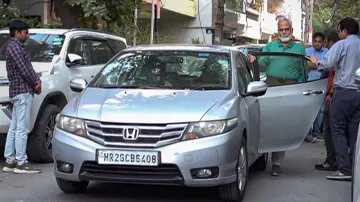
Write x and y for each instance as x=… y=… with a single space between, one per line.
x=282 y=19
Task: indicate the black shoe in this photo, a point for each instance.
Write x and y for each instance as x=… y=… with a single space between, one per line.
x=276 y=170
x=339 y=176
x=326 y=167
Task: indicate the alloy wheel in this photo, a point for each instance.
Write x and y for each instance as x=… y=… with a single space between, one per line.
x=49 y=131
x=241 y=169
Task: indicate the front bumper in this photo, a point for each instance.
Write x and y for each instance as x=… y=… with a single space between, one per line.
x=177 y=161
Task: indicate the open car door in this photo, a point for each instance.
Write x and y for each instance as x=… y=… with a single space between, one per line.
x=290 y=106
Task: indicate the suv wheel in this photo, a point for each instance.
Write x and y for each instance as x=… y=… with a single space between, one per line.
x=40 y=140
x=71 y=187
x=236 y=191
x=261 y=163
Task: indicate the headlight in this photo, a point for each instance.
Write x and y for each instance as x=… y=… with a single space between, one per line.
x=71 y=125
x=209 y=128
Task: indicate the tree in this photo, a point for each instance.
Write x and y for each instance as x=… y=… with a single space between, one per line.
x=10 y=10
x=322 y=11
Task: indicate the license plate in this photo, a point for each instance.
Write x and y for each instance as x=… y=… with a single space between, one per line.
x=120 y=157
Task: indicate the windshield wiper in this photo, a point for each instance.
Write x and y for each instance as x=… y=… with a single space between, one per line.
x=210 y=88
x=130 y=86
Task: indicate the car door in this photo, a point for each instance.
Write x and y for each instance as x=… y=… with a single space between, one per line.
x=290 y=106
x=95 y=53
x=252 y=108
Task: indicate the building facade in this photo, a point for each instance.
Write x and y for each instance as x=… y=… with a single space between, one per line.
x=193 y=21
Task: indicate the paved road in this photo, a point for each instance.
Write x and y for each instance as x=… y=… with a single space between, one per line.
x=300 y=183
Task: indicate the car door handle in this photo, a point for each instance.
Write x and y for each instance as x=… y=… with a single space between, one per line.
x=92 y=76
x=313 y=92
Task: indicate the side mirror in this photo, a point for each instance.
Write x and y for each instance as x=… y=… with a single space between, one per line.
x=74 y=59
x=256 y=88
x=78 y=85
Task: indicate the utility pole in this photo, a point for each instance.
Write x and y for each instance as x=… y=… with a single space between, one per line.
x=308 y=21
x=152 y=22
x=135 y=23
x=311 y=14
x=219 y=23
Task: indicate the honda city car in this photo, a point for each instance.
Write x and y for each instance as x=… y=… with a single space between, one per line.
x=185 y=115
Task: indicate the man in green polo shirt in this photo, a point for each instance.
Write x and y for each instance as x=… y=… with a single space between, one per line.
x=282 y=70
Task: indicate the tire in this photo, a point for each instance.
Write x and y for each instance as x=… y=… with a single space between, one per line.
x=71 y=187
x=38 y=149
x=232 y=191
x=261 y=163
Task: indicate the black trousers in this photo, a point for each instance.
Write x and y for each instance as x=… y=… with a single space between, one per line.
x=345 y=119
x=330 y=149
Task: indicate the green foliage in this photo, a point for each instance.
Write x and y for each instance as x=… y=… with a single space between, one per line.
x=196 y=41
x=10 y=12
x=322 y=11
x=117 y=17
x=110 y=13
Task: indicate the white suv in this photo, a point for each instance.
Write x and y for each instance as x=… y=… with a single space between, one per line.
x=57 y=55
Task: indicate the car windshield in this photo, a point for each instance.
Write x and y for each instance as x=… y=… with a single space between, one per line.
x=40 y=47
x=167 y=69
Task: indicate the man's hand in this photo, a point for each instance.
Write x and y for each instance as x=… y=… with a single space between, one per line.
x=327 y=100
x=37 y=88
x=251 y=58
x=312 y=58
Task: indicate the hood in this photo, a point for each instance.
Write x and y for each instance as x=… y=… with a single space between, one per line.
x=146 y=106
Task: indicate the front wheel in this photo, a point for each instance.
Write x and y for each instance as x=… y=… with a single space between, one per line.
x=236 y=191
x=40 y=140
x=71 y=187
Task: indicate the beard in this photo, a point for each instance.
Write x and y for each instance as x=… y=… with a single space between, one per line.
x=286 y=38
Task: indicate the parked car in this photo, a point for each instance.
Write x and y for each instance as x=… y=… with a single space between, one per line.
x=355 y=183
x=57 y=55
x=188 y=115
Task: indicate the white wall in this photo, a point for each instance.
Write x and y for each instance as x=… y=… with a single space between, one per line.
x=184 y=29
x=292 y=9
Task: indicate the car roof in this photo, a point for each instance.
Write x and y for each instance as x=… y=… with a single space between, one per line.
x=40 y=31
x=182 y=47
x=64 y=31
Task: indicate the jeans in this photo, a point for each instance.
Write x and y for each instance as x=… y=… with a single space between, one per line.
x=345 y=119
x=318 y=123
x=16 y=140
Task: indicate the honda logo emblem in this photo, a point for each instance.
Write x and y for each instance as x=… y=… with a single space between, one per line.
x=131 y=133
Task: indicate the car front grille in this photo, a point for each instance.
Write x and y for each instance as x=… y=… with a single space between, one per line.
x=162 y=174
x=150 y=135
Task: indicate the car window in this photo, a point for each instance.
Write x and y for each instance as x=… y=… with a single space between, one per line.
x=100 y=52
x=93 y=51
x=167 y=69
x=40 y=47
x=116 y=45
x=282 y=69
x=243 y=74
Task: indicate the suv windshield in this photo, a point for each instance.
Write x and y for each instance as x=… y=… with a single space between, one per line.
x=41 y=47
x=167 y=69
